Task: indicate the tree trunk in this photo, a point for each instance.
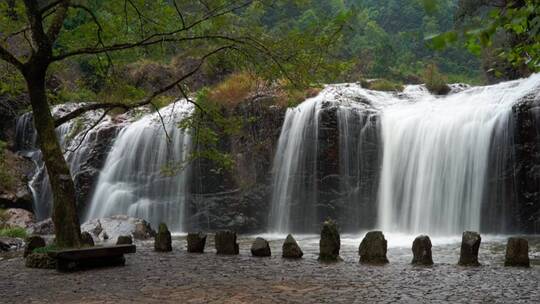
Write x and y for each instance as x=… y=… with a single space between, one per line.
x=66 y=221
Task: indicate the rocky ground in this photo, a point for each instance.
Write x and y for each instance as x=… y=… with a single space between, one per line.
x=179 y=277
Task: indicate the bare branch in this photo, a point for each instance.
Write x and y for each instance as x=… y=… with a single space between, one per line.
x=88 y=131
x=162 y=122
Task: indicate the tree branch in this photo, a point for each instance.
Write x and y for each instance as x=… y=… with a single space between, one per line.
x=10 y=58
x=58 y=21
x=96 y=106
x=156 y=37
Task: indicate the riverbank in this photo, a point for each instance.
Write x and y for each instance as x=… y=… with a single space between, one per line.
x=179 y=277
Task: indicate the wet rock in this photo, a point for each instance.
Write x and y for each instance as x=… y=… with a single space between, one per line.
x=19 y=218
x=260 y=248
x=8 y=243
x=517 y=252
x=32 y=243
x=225 y=242
x=45 y=227
x=163 y=241
x=87 y=239
x=110 y=228
x=373 y=248
x=196 y=242
x=421 y=249
x=40 y=260
x=330 y=242
x=291 y=249
x=124 y=240
x=470 y=244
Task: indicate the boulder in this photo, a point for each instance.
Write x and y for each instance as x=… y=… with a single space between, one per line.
x=421 y=249
x=124 y=240
x=33 y=242
x=260 y=248
x=19 y=218
x=40 y=260
x=110 y=228
x=517 y=252
x=163 y=240
x=330 y=242
x=470 y=244
x=196 y=242
x=87 y=239
x=225 y=242
x=9 y=243
x=45 y=227
x=291 y=249
x=373 y=248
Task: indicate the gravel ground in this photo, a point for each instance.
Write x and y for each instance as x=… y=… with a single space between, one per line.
x=179 y=277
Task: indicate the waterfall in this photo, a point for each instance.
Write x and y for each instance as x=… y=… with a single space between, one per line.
x=303 y=193
x=405 y=162
x=436 y=161
x=294 y=184
x=75 y=144
x=134 y=180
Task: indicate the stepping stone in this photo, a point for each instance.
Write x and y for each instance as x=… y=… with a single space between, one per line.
x=373 y=248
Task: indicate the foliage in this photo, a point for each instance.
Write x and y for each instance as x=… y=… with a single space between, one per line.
x=435 y=82
x=517 y=23
x=14 y=232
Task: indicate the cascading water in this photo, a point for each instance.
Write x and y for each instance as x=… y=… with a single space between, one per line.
x=303 y=194
x=76 y=146
x=133 y=180
x=445 y=163
x=439 y=157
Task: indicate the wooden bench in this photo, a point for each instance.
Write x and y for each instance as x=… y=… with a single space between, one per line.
x=92 y=257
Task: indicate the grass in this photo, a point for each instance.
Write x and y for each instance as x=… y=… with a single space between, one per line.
x=6 y=180
x=13 y=232
x=48 y=248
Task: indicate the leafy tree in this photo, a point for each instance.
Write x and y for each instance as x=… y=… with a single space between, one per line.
x=506 y=29
x=37 y=37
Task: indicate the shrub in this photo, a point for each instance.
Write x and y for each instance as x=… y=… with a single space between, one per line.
x=14 y=232
x=435 y=82
x=235 y=89
x=382 y=85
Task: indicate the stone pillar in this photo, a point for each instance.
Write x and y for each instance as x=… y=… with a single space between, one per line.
x=226 y=242
x=32 y=243
x=124 y=240
x=291 y=249
x=517 y=252
x=470 y=243
x=373 y=248
x=163 y=240
x=330 y=242
x=421 y=249
x=261 y=248
x=87 y=239
x=196 y=242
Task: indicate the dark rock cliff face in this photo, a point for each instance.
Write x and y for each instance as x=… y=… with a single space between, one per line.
x=87 y=176
x=238 y=198
x=527 y=167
